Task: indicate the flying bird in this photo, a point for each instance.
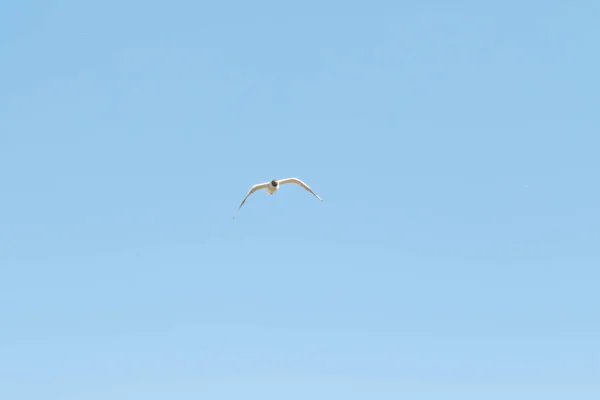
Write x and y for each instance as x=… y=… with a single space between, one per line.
x=273 y=186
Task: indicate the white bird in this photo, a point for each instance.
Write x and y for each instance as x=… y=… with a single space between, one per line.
x=273 y=186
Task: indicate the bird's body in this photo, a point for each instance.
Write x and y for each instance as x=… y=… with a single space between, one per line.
x=274 y=186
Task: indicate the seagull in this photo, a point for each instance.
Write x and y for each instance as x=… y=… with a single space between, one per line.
x=273 y=186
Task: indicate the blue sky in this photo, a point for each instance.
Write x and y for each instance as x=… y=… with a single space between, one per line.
x=455 y=254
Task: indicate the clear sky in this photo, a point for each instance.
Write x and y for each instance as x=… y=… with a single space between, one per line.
x=456 y=254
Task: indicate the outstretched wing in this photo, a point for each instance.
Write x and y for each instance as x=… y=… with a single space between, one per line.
x=299 y=182
x=252 y=190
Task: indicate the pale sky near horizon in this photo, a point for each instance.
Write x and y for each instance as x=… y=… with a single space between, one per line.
x=456 y=253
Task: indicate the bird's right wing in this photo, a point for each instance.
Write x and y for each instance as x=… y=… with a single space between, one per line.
x=252 y=190
x=298 y=182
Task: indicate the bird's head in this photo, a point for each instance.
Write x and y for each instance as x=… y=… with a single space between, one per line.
x=274 y=183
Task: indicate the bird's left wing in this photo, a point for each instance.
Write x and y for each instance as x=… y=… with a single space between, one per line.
x=252 y=190
x=298 y=182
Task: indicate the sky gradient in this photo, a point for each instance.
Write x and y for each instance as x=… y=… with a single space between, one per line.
x=456 y=253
